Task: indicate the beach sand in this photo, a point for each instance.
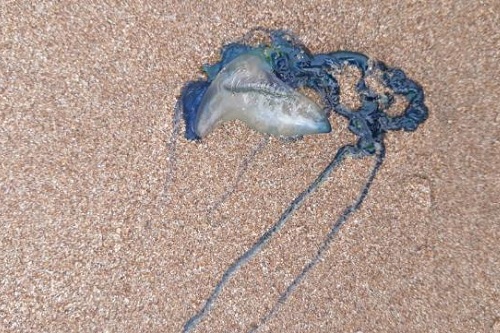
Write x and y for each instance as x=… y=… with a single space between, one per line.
x=106 y=228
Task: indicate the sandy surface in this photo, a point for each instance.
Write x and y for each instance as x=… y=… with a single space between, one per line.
x=99 y=233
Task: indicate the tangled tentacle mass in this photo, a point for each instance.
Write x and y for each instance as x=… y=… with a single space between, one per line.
x=286 y=63
x=298 y=68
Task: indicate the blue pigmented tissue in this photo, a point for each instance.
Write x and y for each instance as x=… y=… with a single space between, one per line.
x=262 y=85
x=192 y=94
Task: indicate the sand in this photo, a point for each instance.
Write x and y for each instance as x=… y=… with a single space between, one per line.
x=104 y=228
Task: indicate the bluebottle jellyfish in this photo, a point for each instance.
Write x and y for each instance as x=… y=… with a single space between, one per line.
x=260 y=85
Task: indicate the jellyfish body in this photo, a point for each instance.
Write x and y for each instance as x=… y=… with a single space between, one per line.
x=246 y=89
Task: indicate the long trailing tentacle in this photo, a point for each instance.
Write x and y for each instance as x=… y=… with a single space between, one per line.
x=172 y=147
x=342 y=153
x=239 y=174
x=326 y=242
